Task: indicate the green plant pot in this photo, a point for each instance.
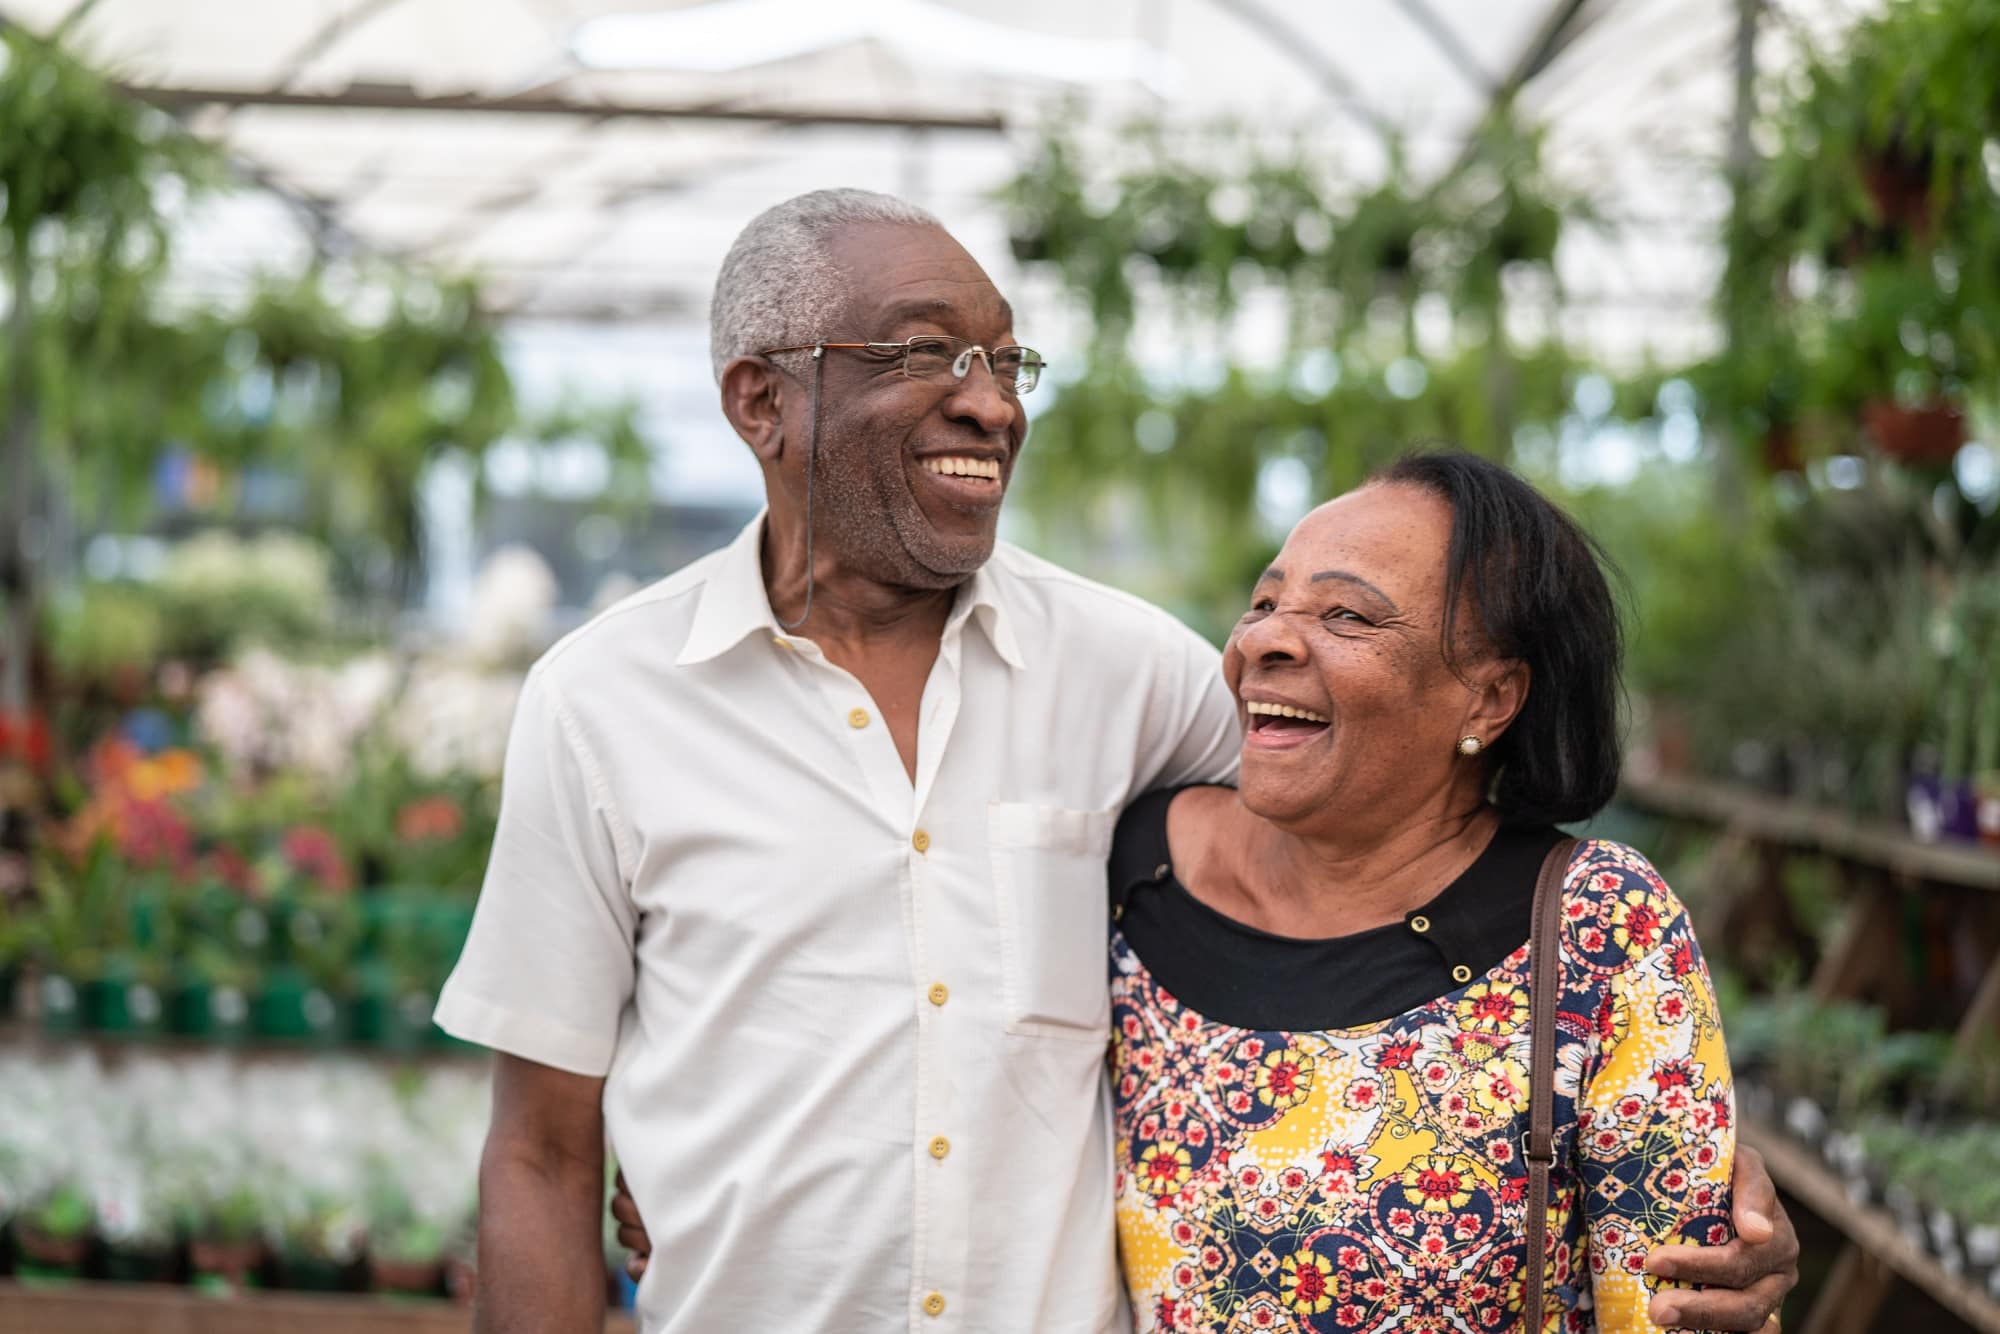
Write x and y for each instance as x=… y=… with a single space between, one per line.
x=218 y=1014
x=140 y=1264
x=291 y=1009
x=10 y=986
x=395 y=1023
x=121 y=1007
x=61 y=1003
x=316 y=1273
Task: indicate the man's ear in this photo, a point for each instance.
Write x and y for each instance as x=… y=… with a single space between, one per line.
x=753 y=400
x=1499 y=692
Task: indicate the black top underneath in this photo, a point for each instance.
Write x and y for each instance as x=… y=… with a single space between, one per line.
x=1235 y=974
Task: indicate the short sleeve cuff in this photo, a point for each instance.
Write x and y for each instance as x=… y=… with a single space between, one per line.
x=474 y=1019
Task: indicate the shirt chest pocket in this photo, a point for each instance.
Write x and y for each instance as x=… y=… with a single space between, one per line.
x=1048 y=873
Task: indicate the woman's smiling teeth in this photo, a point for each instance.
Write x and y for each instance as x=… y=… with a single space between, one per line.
x=1258 y=708
x=958 y=465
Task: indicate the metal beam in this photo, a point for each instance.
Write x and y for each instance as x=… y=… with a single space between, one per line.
x=334 y=28
x=1445 y=38
x=399 y=97
x=1331 y=78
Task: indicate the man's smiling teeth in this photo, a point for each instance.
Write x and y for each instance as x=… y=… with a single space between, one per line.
x=958 y=466
x=1284 y=711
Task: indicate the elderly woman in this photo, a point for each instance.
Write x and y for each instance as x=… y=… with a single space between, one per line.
x=1320 y=978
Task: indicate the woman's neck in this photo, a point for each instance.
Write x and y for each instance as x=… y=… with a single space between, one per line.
x=1312 y=885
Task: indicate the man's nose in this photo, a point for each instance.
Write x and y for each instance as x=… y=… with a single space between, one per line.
x=979 y=399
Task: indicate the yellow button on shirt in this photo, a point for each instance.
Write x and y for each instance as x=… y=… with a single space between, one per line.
x=858 y=719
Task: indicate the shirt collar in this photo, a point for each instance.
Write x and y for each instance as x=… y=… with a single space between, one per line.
x=734 y=605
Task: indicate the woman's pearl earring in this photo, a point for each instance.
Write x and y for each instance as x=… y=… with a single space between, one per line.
x=1471 y=745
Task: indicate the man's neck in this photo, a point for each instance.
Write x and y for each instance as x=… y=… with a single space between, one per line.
x=848 y=609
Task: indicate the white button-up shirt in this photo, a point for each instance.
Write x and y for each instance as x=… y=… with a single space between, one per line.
x=853 y=1026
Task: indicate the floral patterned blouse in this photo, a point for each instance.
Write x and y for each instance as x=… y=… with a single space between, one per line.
x=1371 y=1178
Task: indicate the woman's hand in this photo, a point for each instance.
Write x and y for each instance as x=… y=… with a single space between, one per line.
x=632 y=1229
x=1746 y=1279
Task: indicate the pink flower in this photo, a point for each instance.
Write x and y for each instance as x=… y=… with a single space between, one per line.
x=311 y=851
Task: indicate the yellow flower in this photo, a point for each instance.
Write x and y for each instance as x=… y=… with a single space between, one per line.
x=1501 y=1086
x=1308 y=1282
x=1439 y=1183
x=1164 y=1168
x=1637 y=923
x=1284 y=1079
x=1497 y=1008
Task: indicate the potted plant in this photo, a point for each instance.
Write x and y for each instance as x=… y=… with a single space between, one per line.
x=319 y=1245
x=406 y=1247
x=54 y=1234
x=224 y=1221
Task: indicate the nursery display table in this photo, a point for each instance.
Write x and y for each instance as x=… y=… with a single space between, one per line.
x=1859 y=1289
x=139 y=1308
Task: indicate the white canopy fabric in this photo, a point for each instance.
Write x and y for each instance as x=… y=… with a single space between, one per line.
x=625 y=215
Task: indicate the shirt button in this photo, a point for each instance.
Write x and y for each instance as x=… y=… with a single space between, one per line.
x=934 y=1304
x=858 y=719
x=1420 y=924
x=939 y=993
x=940 y=1147
x=1461 y=974
x=920 y=841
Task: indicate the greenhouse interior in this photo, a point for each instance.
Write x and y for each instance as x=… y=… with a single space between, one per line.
x=356 y=352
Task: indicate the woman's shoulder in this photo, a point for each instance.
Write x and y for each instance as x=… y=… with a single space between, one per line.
x=1617 y=907
x=1139 y=842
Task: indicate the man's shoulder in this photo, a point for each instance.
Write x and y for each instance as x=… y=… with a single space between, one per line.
x=1074 y=604
x=645 y=625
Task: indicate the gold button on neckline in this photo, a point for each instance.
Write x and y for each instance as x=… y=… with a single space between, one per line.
x=940 y=993
x=1160 y=871
x=1420 y=924
x=920 y=841
x=934 y=1304
x=940 y=1147
x=1461 y=974
x=858 y=719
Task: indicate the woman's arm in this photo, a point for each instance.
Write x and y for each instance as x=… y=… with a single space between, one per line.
x=1656 y=1126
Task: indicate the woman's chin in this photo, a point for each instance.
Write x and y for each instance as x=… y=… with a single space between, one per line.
x=1277 y=792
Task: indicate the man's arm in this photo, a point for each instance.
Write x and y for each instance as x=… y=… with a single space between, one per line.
x=541 y=1184
x=1746 y=1280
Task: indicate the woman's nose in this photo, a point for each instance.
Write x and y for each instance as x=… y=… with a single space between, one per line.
x=1271 y=638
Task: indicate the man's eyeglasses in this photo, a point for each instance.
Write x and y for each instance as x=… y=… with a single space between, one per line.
x=935 y=359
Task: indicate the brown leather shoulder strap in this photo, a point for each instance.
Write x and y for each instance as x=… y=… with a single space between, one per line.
x=1544 y=982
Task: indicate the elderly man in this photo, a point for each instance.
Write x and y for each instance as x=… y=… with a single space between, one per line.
x=799 y=884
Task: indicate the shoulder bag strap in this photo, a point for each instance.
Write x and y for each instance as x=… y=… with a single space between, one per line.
x=1544 y=981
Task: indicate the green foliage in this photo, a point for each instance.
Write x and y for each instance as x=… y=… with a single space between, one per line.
x=63 y=1214
x=1864 y=261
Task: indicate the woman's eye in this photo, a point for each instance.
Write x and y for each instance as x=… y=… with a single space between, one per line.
x=1346 y=614
x=1263 y=604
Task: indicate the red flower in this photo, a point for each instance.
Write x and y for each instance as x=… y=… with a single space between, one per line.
x=1397 y=1055
x=312 y=853
x=430 y=818
x=1673 y=1074
x=152 y=834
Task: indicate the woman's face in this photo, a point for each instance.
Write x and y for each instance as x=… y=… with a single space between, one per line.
x=1344 y=629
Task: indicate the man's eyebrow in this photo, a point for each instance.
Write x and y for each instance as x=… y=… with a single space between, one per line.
x=1347 y=578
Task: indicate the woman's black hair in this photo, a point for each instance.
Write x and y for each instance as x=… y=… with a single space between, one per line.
x=1537 y=584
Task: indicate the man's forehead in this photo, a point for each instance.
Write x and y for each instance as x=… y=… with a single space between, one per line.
x=984 y=305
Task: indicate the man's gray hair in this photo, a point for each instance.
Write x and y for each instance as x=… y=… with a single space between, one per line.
x=778 y=287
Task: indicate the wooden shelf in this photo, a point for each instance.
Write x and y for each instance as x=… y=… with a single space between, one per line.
x=1810 y=828
x=144 y=1308
x=1802 y=1176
